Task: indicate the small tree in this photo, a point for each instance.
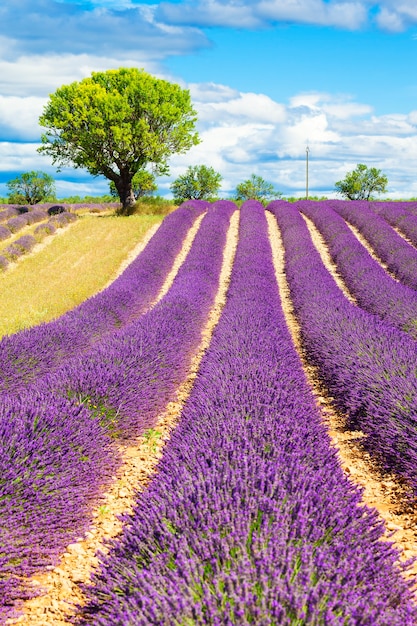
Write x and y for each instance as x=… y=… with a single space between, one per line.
x=198 y=183
x=362 y=182
x=256 y=188
x=143 y=184
x=31 y=188
x=115 y=123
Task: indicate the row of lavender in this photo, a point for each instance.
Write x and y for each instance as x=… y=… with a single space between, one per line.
x=398 y=255
x=371 y=286
x=368 y=365
x=57 y=435
x=250 y=519
x=27 y=242
x=32 y=353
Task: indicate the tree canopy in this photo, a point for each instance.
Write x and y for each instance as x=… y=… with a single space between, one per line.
x=199 y=182
x=31 y=188
x=256 y=188
x=362 y=182
x=114 y=123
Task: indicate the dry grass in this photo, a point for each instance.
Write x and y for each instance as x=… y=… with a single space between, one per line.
x=67 y=268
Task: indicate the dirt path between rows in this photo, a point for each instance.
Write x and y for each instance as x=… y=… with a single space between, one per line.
x=382 y=491
x=139 y=464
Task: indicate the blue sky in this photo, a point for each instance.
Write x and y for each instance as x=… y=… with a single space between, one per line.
x=267 y=77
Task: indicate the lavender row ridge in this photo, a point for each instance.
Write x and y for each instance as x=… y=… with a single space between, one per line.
x=374 y=290
x=399 y=256
x=59 y=436
x=368 y=365
x=249 y=519
x=400 y=216
x=32 y=353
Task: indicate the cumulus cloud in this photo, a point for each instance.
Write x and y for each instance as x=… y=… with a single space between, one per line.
x=245 y=133
x=239 y=138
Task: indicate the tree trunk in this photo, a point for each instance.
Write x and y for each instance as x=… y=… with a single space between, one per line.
x=126 y=195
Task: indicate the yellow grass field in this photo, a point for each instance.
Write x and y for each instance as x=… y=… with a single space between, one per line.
x=67 y=268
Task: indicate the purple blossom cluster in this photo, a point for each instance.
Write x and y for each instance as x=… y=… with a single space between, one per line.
x=368 y=365
x=32 y=353
x=249 y=519
x=399 y=256
x=58 y=434
x=374 y=290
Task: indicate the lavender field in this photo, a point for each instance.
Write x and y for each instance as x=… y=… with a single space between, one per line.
x=248 y=517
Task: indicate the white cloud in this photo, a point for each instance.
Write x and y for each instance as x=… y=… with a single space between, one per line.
x=349 y=15
x=239 y=14
x=237 y=141
x=390 y=20
x=39 y=75
x=19 y=117
x=251 y=14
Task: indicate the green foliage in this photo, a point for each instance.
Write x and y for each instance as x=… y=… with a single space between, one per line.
x=143 y=184
x=256 y=188
x=115 y=123
x=199 y=182
x=31 y=188
x=362 y=182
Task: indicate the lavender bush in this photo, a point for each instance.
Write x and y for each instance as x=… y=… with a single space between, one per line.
x=15 y=224
x=43 y=230
x=249 y=519
x=4 y=263
x=62 y=219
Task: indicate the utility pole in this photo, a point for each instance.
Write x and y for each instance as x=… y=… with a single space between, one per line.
x=307 y=151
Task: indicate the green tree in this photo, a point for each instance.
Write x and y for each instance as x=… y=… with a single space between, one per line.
x=31 y=188
x=362 y=182
x=114 y=123
x=256 y=188
x=199 y=182
x=143 y=184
